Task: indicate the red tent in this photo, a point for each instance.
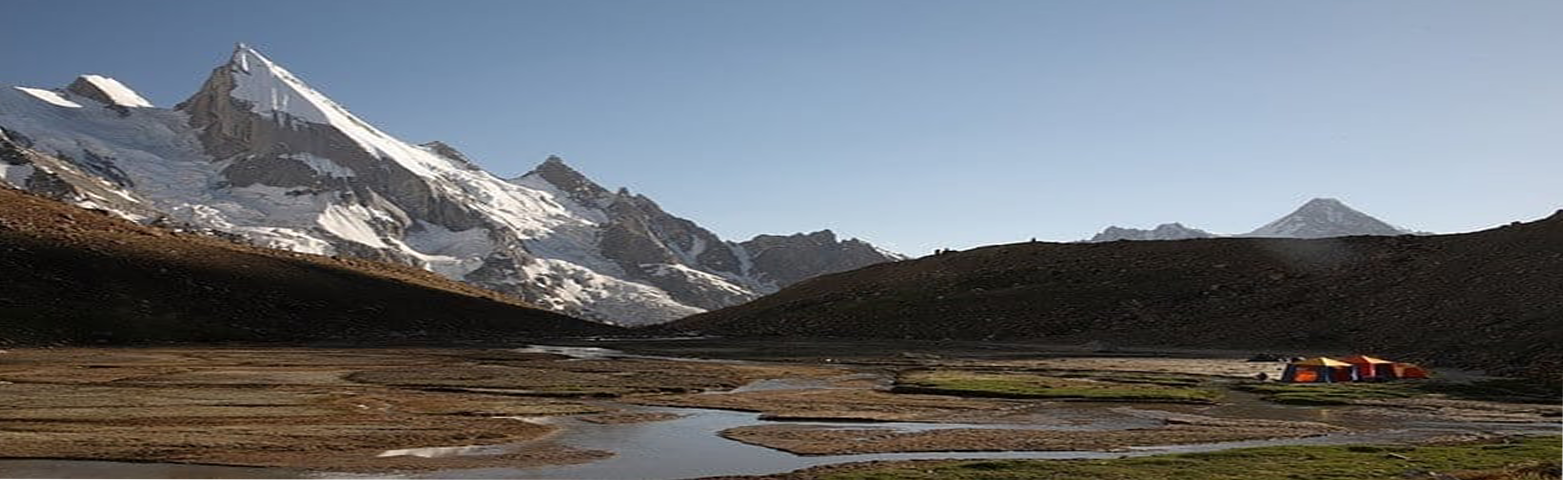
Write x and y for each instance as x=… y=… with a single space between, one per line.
x=1369 y=368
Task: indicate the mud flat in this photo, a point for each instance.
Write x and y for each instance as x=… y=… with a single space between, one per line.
x=333 y=410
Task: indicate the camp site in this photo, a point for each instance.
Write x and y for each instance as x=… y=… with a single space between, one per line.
x=1355 y=368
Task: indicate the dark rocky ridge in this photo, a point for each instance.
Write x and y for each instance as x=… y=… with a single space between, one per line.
x=1490 y=300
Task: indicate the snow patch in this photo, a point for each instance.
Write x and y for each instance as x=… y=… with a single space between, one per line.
x=349 y=222
x=610 y=299
x=50 y=96
x=448 y=253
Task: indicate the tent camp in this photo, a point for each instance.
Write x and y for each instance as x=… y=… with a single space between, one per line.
x=1369 y=368
x=1355 y=368
x=1319 y=370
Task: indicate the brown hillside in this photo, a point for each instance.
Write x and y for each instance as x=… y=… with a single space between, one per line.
x=1492 y=299
x=70 y=275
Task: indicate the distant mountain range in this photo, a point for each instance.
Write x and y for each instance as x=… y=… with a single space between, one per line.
x=1319 y=218
x=1487 y=300
x=259 y=156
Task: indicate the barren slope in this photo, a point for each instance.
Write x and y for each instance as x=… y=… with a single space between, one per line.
x=1491 y=299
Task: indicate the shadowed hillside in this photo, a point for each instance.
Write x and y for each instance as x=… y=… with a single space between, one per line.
x=71 y=275
x=1491 y=299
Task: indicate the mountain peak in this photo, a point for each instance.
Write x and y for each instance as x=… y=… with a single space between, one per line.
x=251 y=92
x=1324 y=202
x=242 y=56
x=555 y=172
x=1326 y=217
x=554 y=168
x=270 y=88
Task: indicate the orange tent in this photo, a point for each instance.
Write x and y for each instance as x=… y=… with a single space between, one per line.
x=1369 y=368
x=1317 y=370
x=1409 y=370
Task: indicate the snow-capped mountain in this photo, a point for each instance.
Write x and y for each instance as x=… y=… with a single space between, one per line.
x=1318 y=218
x=1325 y=217
x=258 y=154
x=1165 y=231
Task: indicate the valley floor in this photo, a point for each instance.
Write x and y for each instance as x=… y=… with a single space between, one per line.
x=703 y=407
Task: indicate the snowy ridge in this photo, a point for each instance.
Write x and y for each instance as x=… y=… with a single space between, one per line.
x=116 y=93
x=259 y=154
x=271 y=89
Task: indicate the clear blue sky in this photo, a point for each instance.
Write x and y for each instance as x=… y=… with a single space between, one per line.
x=913 y=124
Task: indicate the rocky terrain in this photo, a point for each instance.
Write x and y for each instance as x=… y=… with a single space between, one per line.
x=695 y=266
x=1485 y=300
x=1318 y=218
x=77 y=276
x=258 y=154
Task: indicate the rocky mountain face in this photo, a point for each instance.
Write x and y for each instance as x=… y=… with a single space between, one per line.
x=1318 y=218
x=1165 y=231
x=259 y=155
x=689 y=262
x=784 y=260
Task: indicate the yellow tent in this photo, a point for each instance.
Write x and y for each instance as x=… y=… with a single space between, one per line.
x=1322 y=362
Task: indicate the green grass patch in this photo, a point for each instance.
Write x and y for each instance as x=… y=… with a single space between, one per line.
x=1330 y=393
x=1164 y=379
x=1534 y=457
x=1497 y=390
x=1021 y=385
